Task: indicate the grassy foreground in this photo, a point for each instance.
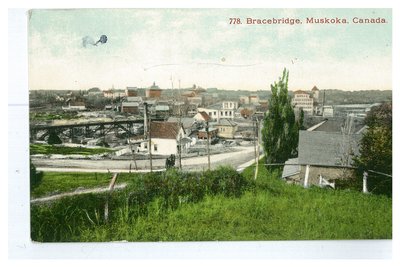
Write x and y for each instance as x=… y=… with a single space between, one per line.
x=267 y=209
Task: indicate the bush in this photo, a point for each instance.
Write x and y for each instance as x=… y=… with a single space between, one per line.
x=35 y=176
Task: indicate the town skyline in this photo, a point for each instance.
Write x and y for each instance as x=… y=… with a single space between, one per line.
x=201 y=46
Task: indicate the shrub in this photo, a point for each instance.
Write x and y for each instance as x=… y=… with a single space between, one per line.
x=35 y=176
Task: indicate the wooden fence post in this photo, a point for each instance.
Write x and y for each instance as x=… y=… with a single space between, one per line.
x=110 y=189
x=306 y=176
x=365 y=185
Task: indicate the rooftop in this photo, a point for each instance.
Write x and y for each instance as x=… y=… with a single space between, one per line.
x=186 y=122
x=164 y=130
x=226 y=122
x=323 y=148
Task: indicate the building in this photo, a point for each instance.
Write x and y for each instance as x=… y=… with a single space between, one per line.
x=327 y=111
x=212 y=133
x=303 y=100
x=253 y=99
x=202 y=116
x=131 y=91
x=359 y=110
x=74 y=105
x=130 y=107
x=223 y=110
x=153 y=91
x=165 y=138
x=188 y=124
x=226 y=128
x=162 y=110
x=315 y=93
x=322 y=155
x=113 y=93
x=137 y=99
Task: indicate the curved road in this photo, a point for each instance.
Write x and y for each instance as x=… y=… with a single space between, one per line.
x=235 y=159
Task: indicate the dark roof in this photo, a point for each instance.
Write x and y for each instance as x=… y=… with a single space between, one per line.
x=315 y=88
x=164 y=130
x=323 y=148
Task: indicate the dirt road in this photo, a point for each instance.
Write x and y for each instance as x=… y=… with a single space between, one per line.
x=234 y=159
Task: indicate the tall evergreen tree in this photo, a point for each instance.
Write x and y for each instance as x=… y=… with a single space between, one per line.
x=280 y=133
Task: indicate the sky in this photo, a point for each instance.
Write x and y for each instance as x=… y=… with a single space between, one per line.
x=173 y=47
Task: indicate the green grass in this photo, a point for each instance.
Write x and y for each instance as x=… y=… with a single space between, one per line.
x=60 y=182
x=268 y=209
x=50 y=149
x=46 y=116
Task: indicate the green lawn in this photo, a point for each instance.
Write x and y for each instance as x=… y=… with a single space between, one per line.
x=267 y=209
x=50 y=149
x=60 y=182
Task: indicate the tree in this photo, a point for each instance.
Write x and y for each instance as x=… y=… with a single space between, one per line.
x=280 y=133
x=376 y=150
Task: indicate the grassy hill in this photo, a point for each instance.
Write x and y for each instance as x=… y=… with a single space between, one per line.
x=218 y=205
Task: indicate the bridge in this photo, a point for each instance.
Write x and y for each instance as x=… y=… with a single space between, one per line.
x=86 y=129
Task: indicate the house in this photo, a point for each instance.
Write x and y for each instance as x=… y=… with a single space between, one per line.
x=322 y=155
x=212 y=133
x=137 y=99
x=130 y=107
x=131 y=91
x=303 y=100
x=223 y=110
x=226 y=128
x=188 y=124
x=114 y=93
x=202 y=116
x=161 y=110
x=74 y=105
x=165 y=138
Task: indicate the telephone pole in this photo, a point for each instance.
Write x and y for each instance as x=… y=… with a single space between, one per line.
x=208 y=146
x=148 y=126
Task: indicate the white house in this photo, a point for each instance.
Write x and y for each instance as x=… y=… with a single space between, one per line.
x=165 y=138
x=224 y=110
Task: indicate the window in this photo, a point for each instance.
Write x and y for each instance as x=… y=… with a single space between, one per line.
x=155 y=147
x=215 y=113
x=145 y=145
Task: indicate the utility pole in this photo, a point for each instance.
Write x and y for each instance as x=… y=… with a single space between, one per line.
x=148 y=132
x=208 y=146
x=180 y=138
x=255 y=136
x=258 y=150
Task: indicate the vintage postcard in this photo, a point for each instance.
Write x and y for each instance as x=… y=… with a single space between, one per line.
x=210 y=124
